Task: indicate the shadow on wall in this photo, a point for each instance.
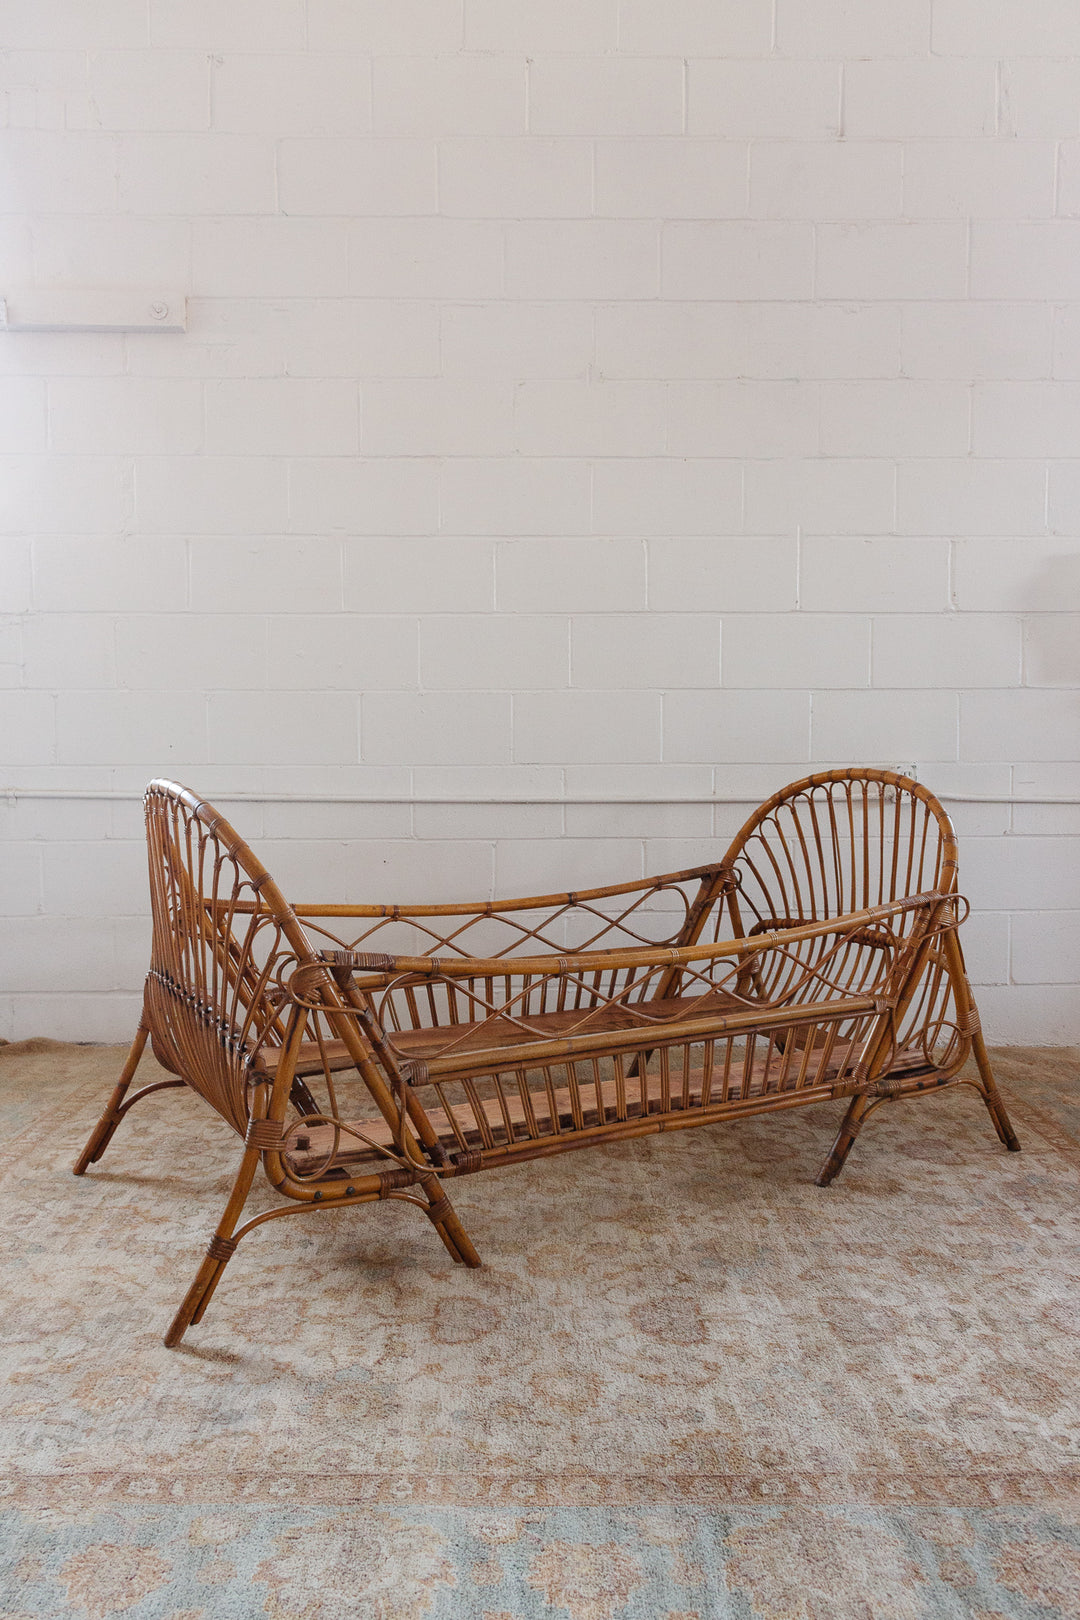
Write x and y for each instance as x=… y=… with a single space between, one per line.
x=1052 y=638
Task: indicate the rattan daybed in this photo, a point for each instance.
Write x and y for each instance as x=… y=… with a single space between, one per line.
x=373 y=1052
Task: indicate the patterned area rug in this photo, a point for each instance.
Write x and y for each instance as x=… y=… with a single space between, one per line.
x=686 y=1383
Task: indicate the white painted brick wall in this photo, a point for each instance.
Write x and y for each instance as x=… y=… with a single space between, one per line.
x=592 y=397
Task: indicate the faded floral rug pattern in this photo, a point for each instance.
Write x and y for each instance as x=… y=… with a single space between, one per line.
x=686 y=1384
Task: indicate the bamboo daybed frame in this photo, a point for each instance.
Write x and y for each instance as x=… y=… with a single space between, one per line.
x=372 y=1052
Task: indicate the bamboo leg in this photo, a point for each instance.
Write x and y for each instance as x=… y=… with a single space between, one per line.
x=849 y=1130
x=101 y=1135
x=992 y=1097
x=219 y=1251
x=965 y=1002
x=443 y=1218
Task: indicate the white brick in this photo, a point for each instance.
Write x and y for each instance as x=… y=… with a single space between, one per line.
x=28 y=725
x=125 y=413
x=516 y=179
x=766 y=340
x=986 y=947
x=523 y=29
x=365 y=496
x=515 y=340
x=970 y=497
x=11 y=650
x=111 y=251
x=876 y=727
x=151 y=729
x=583 y=727
x=570 y=576
x=1064 y=498
x=967 y=28
x=558 y=418
x=16 y=590
x=853 y=28
x=1026 y=418
x=213 y=650
x=514 y=497
x=1050 y=643
x=1031 y=261
x=142 y=90
x=744 y=419
x=555 y=864
x=743 y=727
x=582 y=259
x=267 y=575
x=1029 y=724
x=657 y=823
x=605 y=95
x=129 y=574
x=64 y=494
x=260 y=258
x=1046 y=947
x=426 y=258
x=1040 y=97
x=893 y=100
x=1022 y=874
x=825 y=496
x=515 y=823
x=1016 y=576
x=318 y=337
x=1000 y=179
x=825 y=180
x=500 y=652
x=356 y=176
x=17 y=243
x=384 y=873
x=20 y=882
x=626 y=650
x=298 y=93
x=22 y=414
x=975 y=340
x=282 y=416
x=205 y=25
x=795 y=650
x=923 y=259
x=440 y=575
x=1066 y=344
x=946 y=650
x=50 y=354
x=96 y=879
x=737 y=259
x=209 y=494
x=895 y=418
x=297 y=728
x=755 y=100
x=59 y=25
x=188 y=174
x=449 y=95
x=57 y=172
x=437 y=417
x=665 y=497
x=874 y=576
x=435 y=728
x=663 y=179
x=722 y=575
x=341 y=652
x=64 y=650
x=30 y=948
x=696 y=28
